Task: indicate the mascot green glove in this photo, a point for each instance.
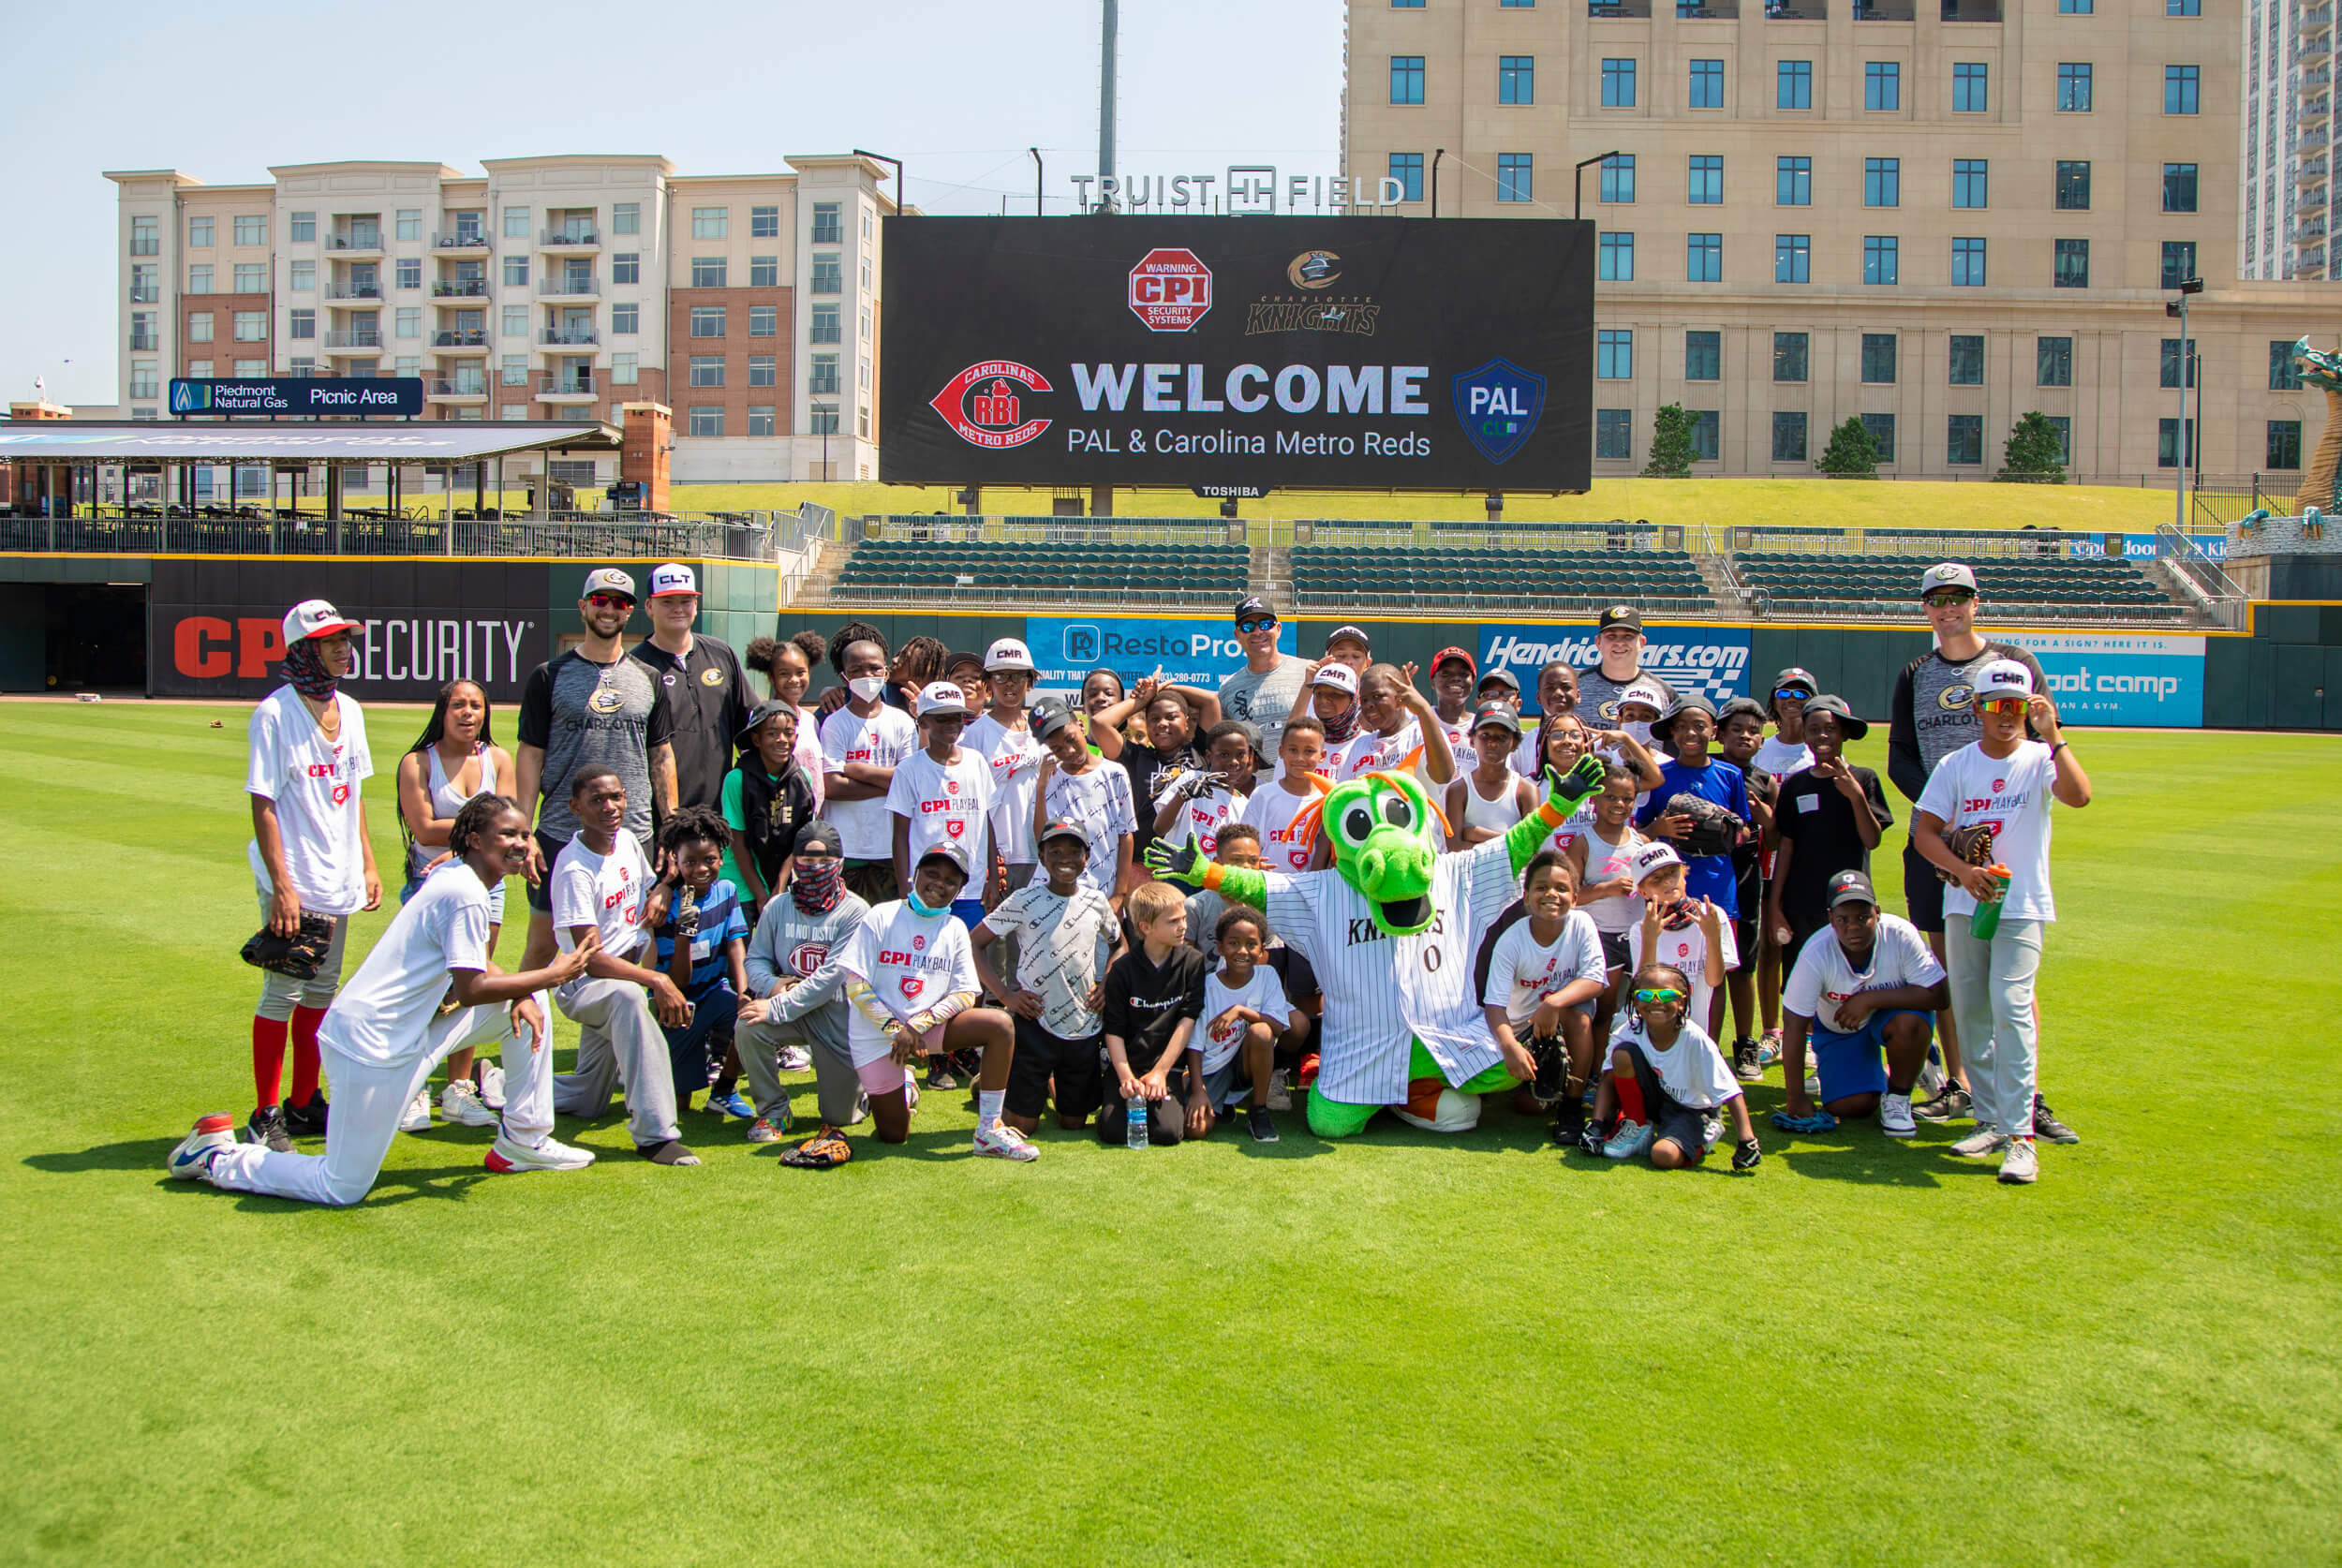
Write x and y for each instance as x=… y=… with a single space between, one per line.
x=1392 y=931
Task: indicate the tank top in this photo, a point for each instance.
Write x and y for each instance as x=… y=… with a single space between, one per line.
x=1605 y=861
x=1498 y=814
x=447 y=800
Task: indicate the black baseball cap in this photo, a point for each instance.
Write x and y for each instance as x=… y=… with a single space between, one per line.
x=1850 y=887
x=1500 y=714
x=1048 y=718
x=1794 y=678
x=1691 y=701
x=1251 y=605
x=1351 y=633
x=1062 y=827
x=950 y=855
x=1739 y=706
x=763 y=711
x=1618 y=615
x=1501 y=677
x=1855 y=728
x=818 y=837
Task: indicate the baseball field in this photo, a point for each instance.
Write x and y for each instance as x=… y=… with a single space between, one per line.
x=1401 y=1350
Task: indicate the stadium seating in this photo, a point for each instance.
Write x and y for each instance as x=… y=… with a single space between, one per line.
x=1339 y=576
x=2072 y=585
x=1219 y=571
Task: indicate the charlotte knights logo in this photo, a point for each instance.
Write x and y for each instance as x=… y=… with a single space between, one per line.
x=984 y=404
x=1498 y=405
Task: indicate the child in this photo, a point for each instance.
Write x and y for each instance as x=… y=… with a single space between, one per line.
x=942 y=793
x=1003 y=737
x=1545 y=977
x=1639 y=709
x=1349 y=645
x=767 y=802
x=862 y=745
x=1690 y=933
x=1743 y=736
x=1400 y=732
x=1689 y=728
x=1785 y=752
x=1154 y=993
x=1829 y=819
x=1065 y=936
x=796 y=1017
x=1245 y=1015
x=1666 y=1082
x=1285 y=812
x=1490 y=799
x=1601 y=861
x=1152 y=732
x=702 y=947
x=1334 y=698
x=1452 y=672
x=1077 y=785
x=1868 y=985
x=1194 y=803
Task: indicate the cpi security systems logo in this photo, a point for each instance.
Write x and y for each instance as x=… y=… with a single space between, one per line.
x=1499 y=405
x=984 y=404
x=1170 y=289
x=1710 y=660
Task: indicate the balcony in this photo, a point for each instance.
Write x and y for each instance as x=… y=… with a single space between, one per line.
x=1707 y=11
x=569 y=337
x=2318 y=108
x=1795 y=11
x=2311 y=261
x=354 y=242
x=460 y=241
x=562 y=385
x=460 y=289
x=2318 y=76
x=2311 y=142
x=456 y=389
x=2310 y=201
x=145 y=245
x=1631 y=10
x=146 y=294
x=145 y=343
x=569 y=236
x=1971 y=11
x=462 y=340
x=353 y=290
x=569 y=287
x=356 y=340
x=2310 y=169
x=1884 y=10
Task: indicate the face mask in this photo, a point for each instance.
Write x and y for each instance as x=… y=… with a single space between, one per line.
x=866 y=687
x=919 y=908
x=1639 y=729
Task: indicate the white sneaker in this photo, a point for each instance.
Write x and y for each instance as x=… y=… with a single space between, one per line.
x=1280 y=1097
x=1894 y=1116
x=2020 y=1166
x=1712 y=1128
x=418 y=1116
x=1631 y=1139
x=1982 y=1143
x=795 y=1058
x=492 y=1086
x=1813 y=1087
x=192 y=1159
x=461 y=1104
x=1932 y=1079
x=1003 y=1141
x=508 y=1156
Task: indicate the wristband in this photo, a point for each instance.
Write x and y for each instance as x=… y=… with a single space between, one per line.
x=2058 y=747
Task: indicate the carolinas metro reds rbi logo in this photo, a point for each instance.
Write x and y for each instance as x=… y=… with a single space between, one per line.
x=1170 y=289
x=984 y=404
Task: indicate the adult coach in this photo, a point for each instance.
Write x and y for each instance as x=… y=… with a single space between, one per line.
x=593 y=706
x=1618 y=637
x=707 y=697
x=1264 y=692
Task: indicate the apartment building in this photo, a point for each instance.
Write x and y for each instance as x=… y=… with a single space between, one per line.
x=547 y=287
x=1935 y=216
x=2290 y=204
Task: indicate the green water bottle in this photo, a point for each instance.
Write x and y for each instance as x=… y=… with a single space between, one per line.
x=1985 y=919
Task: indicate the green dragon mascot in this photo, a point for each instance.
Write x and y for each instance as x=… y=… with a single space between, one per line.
x=1392 y=931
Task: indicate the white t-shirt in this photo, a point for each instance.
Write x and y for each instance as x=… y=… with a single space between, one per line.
x=383 y=1013
x=314 y=782
x=1201 y=819
x=1099 y=801
x=1015 y=758
x=1368 y=752
x=947 y=802
x=1823 y=977
x=604 y=892
x=1274 y=811
x=1521 y=974
x=1459 y=741
x=2011 y=795
x=1687 y=950
x=912 y=961
x=1064 y=946
x=1780 y=758
x=1693 y=1072
x=865 y=827
x=1219 y=1041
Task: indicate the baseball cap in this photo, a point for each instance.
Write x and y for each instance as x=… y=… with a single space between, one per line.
x=1855 y=728
x=1647 y=695
x=673 y=578
x=954 y=660
x=950 y=854
x=1946 y=575
x=2003 y=678
x=314 y=617
x=1062 y=827
x=1250 y=605
x=1007 y=653
x=1653 y=856
x=1739 y=706
x=818 y=837
x=1849 y=887
x=1691 y=701
x=1497 y=714
x=1501 y=677
x=1048 y=718
x=764 y=710
x=942 y=699
x=608 y=580
x=1795 y=678
x=1442 y=656
x=1340 y=676
x=1349 y=633
x=1618 y=615
x=1252 y=735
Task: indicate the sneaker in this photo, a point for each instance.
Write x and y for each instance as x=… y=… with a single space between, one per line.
x=418 y=1116
x=1280 y=1097
x=1569 y=1119
x=940 y=1075
x=1257 y=1122
x=491 y=1086
x=1593 y=1138
x=1745 y=1066
x=1953 y=1104
x=1552 y=1076
x=2020 y=1166
x=2046 y=1126
x=460 y=1102
x=1931 y=1079
x=967 y=1065
x=672 y=1152
x=308 y=1121
x=1894 y=1115
x=734 y=1105
x=1711 y=1129
x=1983 y=1142
x=1769 y=1048
x=1003 y=1141
x=1813 y=1087
x=508 y=1156
x=1631 y=1139
x=771 y=1129
x=268 y=1127
x=192 y=1159
x=795 y=1058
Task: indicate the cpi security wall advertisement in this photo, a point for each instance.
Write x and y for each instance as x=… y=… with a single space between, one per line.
x=1453 y=353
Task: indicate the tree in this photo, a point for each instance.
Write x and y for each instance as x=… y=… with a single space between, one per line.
x=2033 y=453
x=1670 y=443
x=1852 y=452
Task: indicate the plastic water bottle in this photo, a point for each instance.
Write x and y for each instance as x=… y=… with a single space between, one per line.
x=1985 y=920
x=1135 y=1122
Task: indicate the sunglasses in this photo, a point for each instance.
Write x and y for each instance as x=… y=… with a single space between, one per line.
x=1956 y=595
x=1654 y=999
x=2006 y=704
x=610 y=601
x=1798 y=692
x=1256 y=625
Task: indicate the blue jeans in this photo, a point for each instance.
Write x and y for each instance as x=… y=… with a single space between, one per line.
x=687 y=1048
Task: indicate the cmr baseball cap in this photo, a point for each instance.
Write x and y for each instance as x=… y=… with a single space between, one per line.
x=1048 y=718
x=1947 y=574
x=1461 y=656
x=942 y=700
x=1850 y=887
x=314 y=617
x=2003 y=678
x=673 y=578
x=1495 y=716
x=1340 y=676
x=608 y=580
x=1007 y=653
x=1658 y=855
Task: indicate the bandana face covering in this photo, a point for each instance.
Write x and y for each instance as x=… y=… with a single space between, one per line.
x=815 y=889
x=304 y=666
x=1339 y=729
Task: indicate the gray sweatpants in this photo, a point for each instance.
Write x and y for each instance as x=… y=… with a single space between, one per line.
x=281 y=993
x=1991 y=1006
x=619 y=1043
x=843 y=1100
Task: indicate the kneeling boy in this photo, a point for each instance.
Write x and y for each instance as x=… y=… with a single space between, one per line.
x=1154 y=996
x=1064 y=932
x=1867 y=983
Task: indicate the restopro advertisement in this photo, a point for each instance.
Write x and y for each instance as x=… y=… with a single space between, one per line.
x=1200 y=652
x=1711 y=660
x=1454 y=353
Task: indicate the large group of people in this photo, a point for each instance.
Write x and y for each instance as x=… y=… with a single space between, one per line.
x=1112 y=907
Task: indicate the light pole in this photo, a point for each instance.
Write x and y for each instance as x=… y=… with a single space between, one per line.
x=1036 y=180
x=2179 y=308
x=1577 y=182
x=1435 y=157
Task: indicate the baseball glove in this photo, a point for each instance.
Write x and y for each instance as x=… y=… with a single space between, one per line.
x=1714 y=830
x=297 y=956
x=1972 y=845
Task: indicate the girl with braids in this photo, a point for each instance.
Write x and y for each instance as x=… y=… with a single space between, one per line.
x=919 y=662
x=788 y=671
x=702 y=947
x=385 y=1033
x=454 y=761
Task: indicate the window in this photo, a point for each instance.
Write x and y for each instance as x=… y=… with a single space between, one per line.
x=1614 y=433
x=1789 y=356
x=708 y=272
x=1614 y=354
x=1971 y=87
x=515 y=321
x=2180 y=84
x=1788 y=437
x=200 y=279
x=626 y=217
x=822 y=420
x=146 y=240
x=1882 y=85
x=2183 y=7
x=1882 y=182
x=1707 y=85
x=711 y=223
x=1963 y=439
x=409 y=223
x=626 y=369
x=763 y=223
x=706 y=420
x=2179 y=188
x=407 y=273
x=1882 y=432
x=516 y=271
x=199 y=327
x=251 y=367
x=1706 y=180
x=2167 y=444
x=512 y=370
x=761 y=371
x=1406 y=79
x=1707 y=435
x=1880 y=261
x=2076 y=8
x=1615 y=259
x=1406 y=5
x=407 y=364
x=2073 y=88
x=707 y=370
x=406 y=321
x=2169 y=378
x=1792 y=258
x=1967 y=261
x=143 y=331
x=764 y=320
x=300 y=277
x=143 y=375
x=707 y=320
x=2072 y=264
x=252 y=277
x=251 y=326
x=1515 y=177
x=2284 y=375
x=2053 y=362
x=2073 y=186
x=2064 y=425
x=1618 y=84
x=821 y=375
x=513 y=411
x=1407 y=168
x=1793 y=182
x=1703 y=356
x=516 y=223
x=2284 y=443
x=761 y=419
x=864 y=379
x=2179 y=262
x=826 y=326
x=763 y=272
x=626 y=319
x=1971 y=182
x=1516 y=79
x=1793 y=84
x=254 y=231
x=829 y=229
x=1618 y=179
x=147 y=286
x=199 y=369
x=626 y=266
x=828 y=275
x=866 y=274
x=1878 y=359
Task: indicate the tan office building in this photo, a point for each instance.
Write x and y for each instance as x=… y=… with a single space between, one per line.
x=1937 y=218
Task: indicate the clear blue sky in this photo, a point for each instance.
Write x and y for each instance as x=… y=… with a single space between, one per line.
x=956 y=91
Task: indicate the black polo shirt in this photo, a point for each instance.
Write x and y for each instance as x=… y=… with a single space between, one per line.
x=707 y=700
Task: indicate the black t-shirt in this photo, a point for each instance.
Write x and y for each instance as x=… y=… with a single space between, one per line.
x=708 y=699
x=1144 y=1001
x=1815 y=816
x=1143 y=763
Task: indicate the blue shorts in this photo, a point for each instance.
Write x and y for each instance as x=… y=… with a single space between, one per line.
x=971 y=911
x=1856 y=1063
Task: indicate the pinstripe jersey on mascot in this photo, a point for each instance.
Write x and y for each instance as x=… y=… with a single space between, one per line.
x=1392 y=931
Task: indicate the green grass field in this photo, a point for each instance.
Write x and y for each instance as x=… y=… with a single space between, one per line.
x=1402 y=1349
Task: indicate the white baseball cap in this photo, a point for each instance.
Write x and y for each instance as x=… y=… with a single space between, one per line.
x=2003 y=678
x=943 y=697
x=314 y=617
x=607 y=580
x=1340 y=676
x=1649 y=696
x=672 y=578
x=1653 y=856
x=1007 y=653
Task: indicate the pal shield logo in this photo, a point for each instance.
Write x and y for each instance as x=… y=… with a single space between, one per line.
x=984 y=404
x=1710 y=660
x=1498 y=405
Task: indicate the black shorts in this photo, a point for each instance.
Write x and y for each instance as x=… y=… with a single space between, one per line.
x=872 y=882
x=1614 y=951
x=1744 y=942
x=1670 y=1120
x=1922 y=891
x=540 y=893
x=1041 y=1056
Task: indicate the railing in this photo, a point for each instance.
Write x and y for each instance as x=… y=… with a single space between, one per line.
x=145 y=343
x=1795 y=11
x=150 y=246
x=2310 y=140
x=555 y=384
x=2312 y=229
x=460 y=289
x=355 y=239
x=1884 y=10
x=2315 y=16
x=423 y=530
x=1627 y=9
x=569 y=236
x=353 y=338
x=1971 y=11
x=2199 y=578
x=2316 y=75
x=462 y=238
x=568 y=337
x=466 y=337
x=570 y=286
x=1707 y=11
x=2307 y=200
x=353 y=290
x=460 y=386
x=146 y=294
x=2317 y=108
